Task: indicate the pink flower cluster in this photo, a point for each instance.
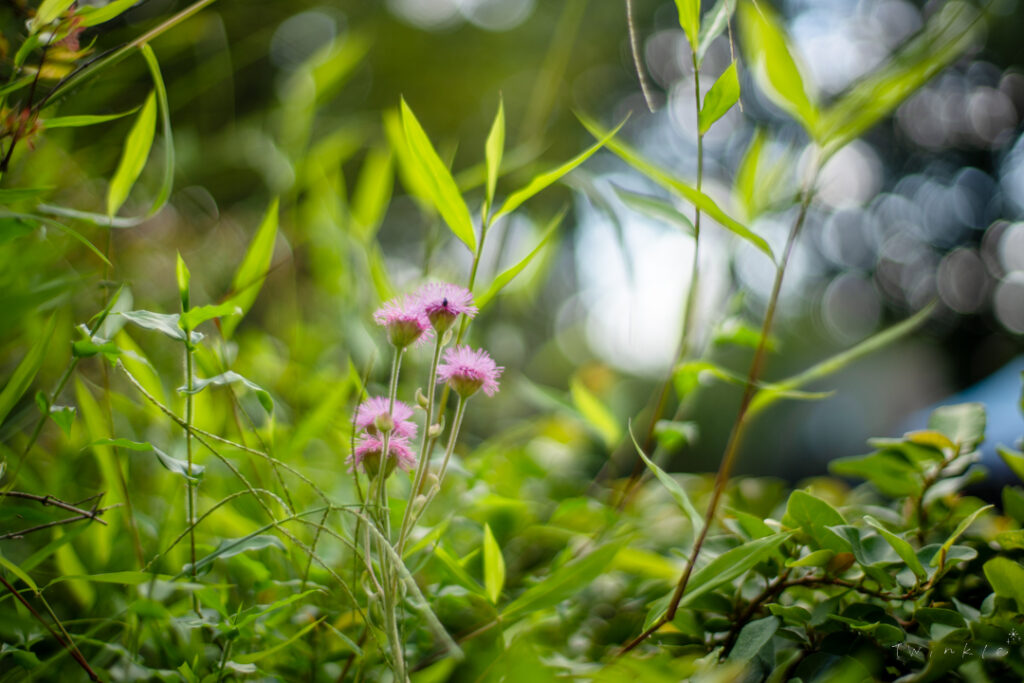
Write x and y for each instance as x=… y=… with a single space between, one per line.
x=412 y=318
x=373 y=420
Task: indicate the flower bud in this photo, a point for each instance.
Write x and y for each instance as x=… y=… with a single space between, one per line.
x=384 y=423
x=434 y=431
x=421 y=399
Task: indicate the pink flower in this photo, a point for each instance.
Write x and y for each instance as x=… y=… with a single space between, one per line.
x=404 y=319
x=467 y=370
x=368 y=455
x=443 y=303
x=372 y=416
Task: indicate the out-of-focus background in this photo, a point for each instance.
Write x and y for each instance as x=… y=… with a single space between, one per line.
x=288 y=99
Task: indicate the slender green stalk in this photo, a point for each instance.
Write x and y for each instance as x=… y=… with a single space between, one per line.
x=423 y=464
x=740 y=424
x=688 y=310
x=453 y=437
x=190 y=510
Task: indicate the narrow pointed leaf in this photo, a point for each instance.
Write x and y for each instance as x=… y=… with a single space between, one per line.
x=373 y=191
x=133 y=157
x=594 y=413
x=507 y=275
x=436 y=177
x=655 y=207
x=689 y=20
x=231 y=377
x=715 y=21
x=772 y=63
x=562 y=584
x=539 y=182
x=200 y=314
x=81 y=120
x=494 y=148
x=26 y=371
x=494 y=566
x=722 y=96
x=249 y=277
x=683 y=190
x=677 y=491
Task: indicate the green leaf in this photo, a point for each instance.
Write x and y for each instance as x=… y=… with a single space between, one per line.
x=1011 y=540
x=773 y=65
x=133 y=157
x=373 y=191
x=839 y=361
x=715 y=21
x=230 y=548
x=18 y=572
x=819 y=558
x=254 y=267
x=93 y=16
x=47 y=12
x=562 y=583
x=887 y=470
x=946 y=35
x=1013 y=459
x=939 y=559
x=902 y=548
x=723 y=94
x=594 y=413
x=677 y=491
x=509 y=274
x=183 y=276
x=250 y=657
x=813 y=516
x=81 y=120
x=494 y=566
x=754 y=636
x=666 y=180
x=437 y=179
x=174 y=465
x=194 y=317
x=655 y=208
x=26 y=371
x=731 y=564
x=458 y=572
x=964 y=424
x=1013 y=502
x=231 y=377
x=1007 y=579
x=689 y=20
x=541 y=181
x=167 y=323
x=494 y=148
x=64 y=416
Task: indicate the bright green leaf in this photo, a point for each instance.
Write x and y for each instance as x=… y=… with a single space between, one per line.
x=183 y=277
x=507 y=275
x=494 y=566
x=373 y=191
x=82 y=120
x=435 y=176
x=1007 y=579
x=562 y=584
x=772 y=63
x=963 y=424
x=133 y=157
x=689 y=20
x=594 y=413
x=26 y=371
x=196 y=316
x=723 y=94
x=494 y=148
x=677 y=491
x=93 y=16
x=254 y=267
x=231 y=377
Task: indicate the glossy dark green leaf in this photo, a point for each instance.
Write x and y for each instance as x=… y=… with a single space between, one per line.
x=813 y=516
x=753 y=636
x=1006 y=578
x=731 y=564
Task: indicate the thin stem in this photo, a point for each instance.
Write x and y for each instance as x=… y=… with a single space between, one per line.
x=423 y=463
x=739 y=426
x=688 y=311
x=453 y=436
x=93 y=515
x=190 y=501
x=634 y=48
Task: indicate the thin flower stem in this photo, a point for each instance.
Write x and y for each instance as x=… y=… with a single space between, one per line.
x=424 y=460
x=453 y=437
x=740 y=424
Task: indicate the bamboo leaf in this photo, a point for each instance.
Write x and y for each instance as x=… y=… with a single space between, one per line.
x=683 y=190
x=539 y=182
x=594 y=413
x=655 y=208
x=494 y=148
x=373 y=191
x=231 y=377
x=93 y=16
x=773 y=65
x=81 y=120
x=731 y=564
x=249 y=277
x=689 y=20
x=509 y=274
x=722 y=96
x=193 y=317
x=435 y=176
x=677 y=491
x=26 y=371
x=715 y=21
x=494 y=566
x=133 y=157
